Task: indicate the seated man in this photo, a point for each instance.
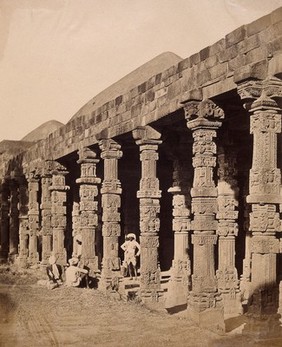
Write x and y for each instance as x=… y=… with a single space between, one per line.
x=54 y=273
x=75 y=274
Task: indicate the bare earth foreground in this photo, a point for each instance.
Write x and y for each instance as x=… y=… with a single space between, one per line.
x=31 y=315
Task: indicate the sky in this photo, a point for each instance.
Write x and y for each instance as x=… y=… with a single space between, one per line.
x=55 y=55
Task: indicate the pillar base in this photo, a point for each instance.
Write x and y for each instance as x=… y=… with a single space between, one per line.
x=92 y=264
x=12 y=257
x=177 y=293
x=110 y=281
x=232 y=305
x=33 y=260
x=206 y=310
x=153 y=299
x=21 y=261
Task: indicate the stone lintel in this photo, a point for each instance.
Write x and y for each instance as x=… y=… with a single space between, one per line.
x=201 y=123
x=144 y=135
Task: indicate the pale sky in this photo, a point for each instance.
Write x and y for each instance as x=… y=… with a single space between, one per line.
x=55 y=55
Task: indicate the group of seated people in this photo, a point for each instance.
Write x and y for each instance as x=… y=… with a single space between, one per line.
x=77 y=276
x=74 y=274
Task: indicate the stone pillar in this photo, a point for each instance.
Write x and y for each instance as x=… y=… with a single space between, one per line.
x=75 y=227
x=4 y=219
x=14 y=219
x=264 y=194
x=149 y=195
x=46 y=205
x=23 y=222
x=58 y=211
x=204 y=304
x=33 y=218
x=88 y=207
x=111 y=203
x=227 y=215
x=181 y=265
x=245 y=279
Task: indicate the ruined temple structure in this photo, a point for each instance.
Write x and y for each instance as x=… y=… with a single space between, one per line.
x=189 y=159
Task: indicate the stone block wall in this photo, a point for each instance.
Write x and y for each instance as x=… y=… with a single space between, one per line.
x=250 y=50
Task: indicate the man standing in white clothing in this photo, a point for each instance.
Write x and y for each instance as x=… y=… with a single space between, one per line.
x=131 y=250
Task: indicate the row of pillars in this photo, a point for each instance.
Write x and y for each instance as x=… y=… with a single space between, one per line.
x=213 y=215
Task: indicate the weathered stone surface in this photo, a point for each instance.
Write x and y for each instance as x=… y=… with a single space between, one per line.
x=264 y=190
x=235 y=36
x=197 y=88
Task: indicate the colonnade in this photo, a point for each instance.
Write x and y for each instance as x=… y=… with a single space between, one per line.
x=204 y=210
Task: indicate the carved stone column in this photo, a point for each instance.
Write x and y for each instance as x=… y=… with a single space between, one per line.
x=204 y=304
x=111 y=203
x=149 y=195
x=181 y=265
x=23 y=222
x=33 y=218
x=88 y=207
x=58 y=211
x=46 y=205
x=4 y=219
x=227 y=215
x=75 y=226
x=245 y=279
x=14 y=219
x=264 y=192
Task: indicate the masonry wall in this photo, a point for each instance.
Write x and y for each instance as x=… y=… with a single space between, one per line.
x=251 y=50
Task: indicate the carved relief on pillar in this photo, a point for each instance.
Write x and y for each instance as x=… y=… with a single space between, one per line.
x=33 y=216
x=46 y=212
x=227 y=215
x=88 y=207
x=23 y=222
x=203 y=118
x=58 y=191
x=260 y=97
x=23 y=240
x=181 y=224
x=149 y=194
x=265 y=178
x=111 y=203
x=149 y=215
x=265 y=219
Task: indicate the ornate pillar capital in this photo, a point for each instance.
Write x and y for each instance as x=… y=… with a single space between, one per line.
x=86 y=155
x=47 y=168
x=110 y=149
x=203 y=114
x=58 y=177
x=88 y=161
x=259 y=94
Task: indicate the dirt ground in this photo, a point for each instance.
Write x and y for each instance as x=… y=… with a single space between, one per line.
x=33 y=316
